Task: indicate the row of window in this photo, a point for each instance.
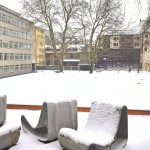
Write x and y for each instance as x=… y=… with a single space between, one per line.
x=14 y=33
x=117 y=38
x=14 y=68
x=137 y=38
x=15 y=45
x=14 y=56
x=13 y=21
x=135 y=44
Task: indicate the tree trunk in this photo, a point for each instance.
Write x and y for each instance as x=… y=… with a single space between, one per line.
x=61 y=66
x=91 y=68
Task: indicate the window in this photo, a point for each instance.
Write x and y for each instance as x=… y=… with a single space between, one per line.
x=21 y=67
x=1 y=69
x=6 y=56
x=137 y=38
x=16 y=56
x=9 y=20
x=4 y=18
x=71 y=56
x=1 y=31
x=29 y=57
x=11 y=56
x=145 y=48
x=146 y=42
x=25 y=56
x=24 y=36
x=26 y=66
x=28 y=46
x=14 y=33
x=136 y=44
x=0 y=43
x=116 y=38
x=24 y=46
x=16 y=45
x=16 y=67
x=146 y=36
x=12 y=68
x=10 y=32
x=115 y=44
x=30 y=67
x=20 y=45
x=21 y=56
x=5 y=45
x=10 y=44
x=28 y=36
x=6 y=68
x=20 y=35
x=1 y=56
x=4 y=31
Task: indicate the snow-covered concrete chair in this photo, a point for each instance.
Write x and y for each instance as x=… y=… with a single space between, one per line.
x=9 y=134
x=106 y=128
x=2 y=109
x=53 y=117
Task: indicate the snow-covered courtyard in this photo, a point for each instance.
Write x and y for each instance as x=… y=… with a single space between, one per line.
x=117 y=87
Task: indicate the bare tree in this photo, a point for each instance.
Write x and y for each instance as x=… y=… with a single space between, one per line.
x=141 y=6
x=98 y=17
x=57 y=16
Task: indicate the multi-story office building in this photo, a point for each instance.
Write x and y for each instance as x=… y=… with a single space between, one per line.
x=16 y=43
x=39 y=46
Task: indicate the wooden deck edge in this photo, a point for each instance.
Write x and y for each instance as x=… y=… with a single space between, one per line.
x=80 y=109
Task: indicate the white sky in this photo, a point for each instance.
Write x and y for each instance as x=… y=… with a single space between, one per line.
x=131 y=9
x=12 y=4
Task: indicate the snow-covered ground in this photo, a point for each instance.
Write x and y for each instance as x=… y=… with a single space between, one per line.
x=139 y=135
x=117 y=87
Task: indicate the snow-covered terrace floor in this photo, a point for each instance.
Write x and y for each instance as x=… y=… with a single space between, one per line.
x=117 y=87
x=139 y=135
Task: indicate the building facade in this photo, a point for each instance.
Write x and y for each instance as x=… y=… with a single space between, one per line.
x=16 y=43
x=74 y=56
x=120 y=51
x=39 y=46
x=145 y=50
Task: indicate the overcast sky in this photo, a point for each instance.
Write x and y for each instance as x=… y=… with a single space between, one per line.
x=132 y=10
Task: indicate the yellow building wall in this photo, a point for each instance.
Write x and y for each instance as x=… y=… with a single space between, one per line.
x=39 y=46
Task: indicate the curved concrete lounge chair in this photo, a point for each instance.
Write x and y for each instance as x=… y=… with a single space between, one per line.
x=3 y=102
x=53 y=117
x=106 y=128
x=9 y=134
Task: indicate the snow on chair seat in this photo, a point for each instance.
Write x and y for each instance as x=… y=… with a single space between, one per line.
x=9 y=133
x=53 y=117
x=106 y=127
